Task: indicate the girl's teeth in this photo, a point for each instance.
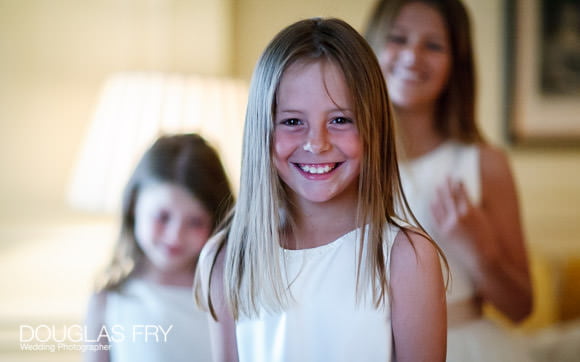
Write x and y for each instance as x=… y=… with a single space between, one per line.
x=409 y=74
x=316 y=169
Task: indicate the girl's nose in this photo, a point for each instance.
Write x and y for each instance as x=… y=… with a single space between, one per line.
x=175 y=233
x=317 y=141
x=410 y=55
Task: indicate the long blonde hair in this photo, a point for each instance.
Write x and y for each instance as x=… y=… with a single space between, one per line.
x=253 y=277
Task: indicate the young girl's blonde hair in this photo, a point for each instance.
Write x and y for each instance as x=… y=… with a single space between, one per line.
x=253 y=277
x=185 y=160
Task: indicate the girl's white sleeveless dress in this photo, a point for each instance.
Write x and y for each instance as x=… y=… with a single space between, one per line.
x=324 y=322
x=479 y=339
x=150 y=322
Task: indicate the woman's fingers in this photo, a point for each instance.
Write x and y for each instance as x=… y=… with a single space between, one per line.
x=460 y=199
x=451 y=203
x=448 y=199
x=437 y=211
x=443 y=206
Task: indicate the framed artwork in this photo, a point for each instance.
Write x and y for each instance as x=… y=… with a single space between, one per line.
x=542 y=104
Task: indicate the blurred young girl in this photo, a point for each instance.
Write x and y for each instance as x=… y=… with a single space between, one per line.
x=460 y=187
x=174 y=200
x=315 y=265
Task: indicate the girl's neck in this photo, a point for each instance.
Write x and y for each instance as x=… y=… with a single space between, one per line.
x=318 y=224
x=417 y=132
x=180 y=278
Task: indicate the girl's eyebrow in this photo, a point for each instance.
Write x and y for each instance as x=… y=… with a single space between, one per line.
x=343 y=110
x=429 y=35
x=435 y=36
x=289 y=111
x=397 y=27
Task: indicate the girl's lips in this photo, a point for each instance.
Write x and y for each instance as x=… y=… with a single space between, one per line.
x=407 y=75
x=173 y=250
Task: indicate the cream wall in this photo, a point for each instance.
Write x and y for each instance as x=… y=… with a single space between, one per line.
x=257 y=21
x=55 y=56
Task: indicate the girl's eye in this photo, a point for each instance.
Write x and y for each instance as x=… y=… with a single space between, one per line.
x=341 y=120
x=434 y=46
x=163 y=217
x=397 y=39
x=292 y=122
x=197 y=223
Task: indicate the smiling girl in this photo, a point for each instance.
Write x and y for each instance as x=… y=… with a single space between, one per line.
x=315 y=264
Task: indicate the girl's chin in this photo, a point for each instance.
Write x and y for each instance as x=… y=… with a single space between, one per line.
x=172 y=267
x=406 y=103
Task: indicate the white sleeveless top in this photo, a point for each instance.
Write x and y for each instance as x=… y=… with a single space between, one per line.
x=421 y=177
x=324 y=321
x=150 y=322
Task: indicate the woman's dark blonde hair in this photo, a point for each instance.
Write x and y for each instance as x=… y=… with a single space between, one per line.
x=253 y=277
x=455 y=117
x=186 y=160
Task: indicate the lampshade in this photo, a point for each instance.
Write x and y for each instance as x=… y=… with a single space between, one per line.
x=134 y=109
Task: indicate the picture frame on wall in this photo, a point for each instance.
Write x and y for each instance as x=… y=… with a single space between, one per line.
x=542 y=104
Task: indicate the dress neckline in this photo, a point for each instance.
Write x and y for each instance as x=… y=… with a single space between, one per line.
x=141 y=282
x=428 y=155
x=318 y=250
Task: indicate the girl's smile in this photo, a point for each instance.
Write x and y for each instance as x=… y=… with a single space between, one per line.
x=320 y=169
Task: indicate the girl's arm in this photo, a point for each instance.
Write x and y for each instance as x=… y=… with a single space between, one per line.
x=94 y=321
x=223 y=331
x=419 y=318
x=490 y=237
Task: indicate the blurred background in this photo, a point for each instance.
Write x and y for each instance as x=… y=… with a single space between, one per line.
x=60 y=61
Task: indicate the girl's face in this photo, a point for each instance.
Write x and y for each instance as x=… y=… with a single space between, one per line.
x=416 y=58
x=317 y=150
x=171 y=227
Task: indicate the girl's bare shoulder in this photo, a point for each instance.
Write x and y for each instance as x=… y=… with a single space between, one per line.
x=412 y=244
x=212 y=252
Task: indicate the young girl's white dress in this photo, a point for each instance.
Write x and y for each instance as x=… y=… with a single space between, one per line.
x=149 y=322
x=479 y=339
x=324 y=321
